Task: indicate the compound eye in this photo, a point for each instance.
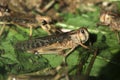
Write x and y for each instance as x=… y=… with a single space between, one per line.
x=82 y=31
x=44 y=22
x=6 y=10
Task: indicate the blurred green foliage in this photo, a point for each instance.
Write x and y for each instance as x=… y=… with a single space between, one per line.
x=107 y=63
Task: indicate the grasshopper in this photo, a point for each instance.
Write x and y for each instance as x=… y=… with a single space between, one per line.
x=13 y=20
x=4 y=10
x=55 y=44
x=112 y=20
x=8 y=16
x=30 y=21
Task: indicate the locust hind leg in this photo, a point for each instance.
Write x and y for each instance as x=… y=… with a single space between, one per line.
x=63 y=67
x=67 y=54
x=84 y=46
x=62 y=72
x=2 y=29
x=46 y=28
x=64 y=64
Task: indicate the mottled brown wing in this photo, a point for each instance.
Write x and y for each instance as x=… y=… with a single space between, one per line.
x=42 y=41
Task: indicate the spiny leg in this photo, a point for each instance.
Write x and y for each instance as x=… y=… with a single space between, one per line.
x=61 y=75
x=62 y=72
x=46 y=28
x=63 y=67
x=67 y=54
x=2 y=29
x=84 y=46
x=50 y=29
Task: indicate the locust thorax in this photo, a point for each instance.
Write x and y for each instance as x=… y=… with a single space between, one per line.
x=106 y=18
x=81 y=36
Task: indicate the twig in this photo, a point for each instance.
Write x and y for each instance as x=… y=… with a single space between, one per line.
x=88 y=70
x=69 y=27
x=47 y=7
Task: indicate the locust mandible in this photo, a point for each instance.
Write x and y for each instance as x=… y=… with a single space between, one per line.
x=55 y=44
